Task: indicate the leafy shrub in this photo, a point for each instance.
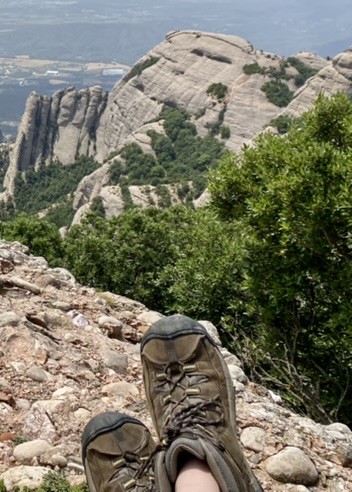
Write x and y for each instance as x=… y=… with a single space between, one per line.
x=164 y=196
x=225 y=132
x=97 y=206
x=42 y=237
x=305 y=72
x=139 y=67
x=277 y=92
x=54 y=482
x=217 y=90
x=253 y=68
x=115 y=172
x=282 y=123
x=291 y=195
x=278 y=73
x=37 y=190
x=61 y=214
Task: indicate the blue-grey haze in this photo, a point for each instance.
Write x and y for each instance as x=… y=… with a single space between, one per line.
x=124 y=30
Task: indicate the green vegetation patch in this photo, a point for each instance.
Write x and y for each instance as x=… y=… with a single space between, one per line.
x=139 y=67
x=282 y=123
x=4 y=163
x=292 y=196
x=61 y=214
x=37 y=190
x=277 y=92
x=304 y=71
x=181 y=156
x=218 y=90
x=252 y=68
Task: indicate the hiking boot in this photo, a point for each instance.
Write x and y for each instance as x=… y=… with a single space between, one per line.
x=117 y=452
x=191 y=400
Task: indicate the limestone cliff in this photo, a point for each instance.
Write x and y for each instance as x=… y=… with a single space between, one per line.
x=335 y=77
x=60 y=127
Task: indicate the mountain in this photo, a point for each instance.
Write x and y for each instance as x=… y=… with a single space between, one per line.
x=227 y=88
x=184 y=72
x=69 y=352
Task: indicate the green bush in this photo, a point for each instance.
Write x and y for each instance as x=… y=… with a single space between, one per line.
x=293 y=197
x=278 y=73
x=61 y=213
x=225 y=132
x=115 y=172
x=282 y=123
x=140 y=67
x=42 y=237
x=277 y=92
x=97 y=207
x=253 y=68
x=217 y=90
x=55 y=482
x=304 y=71
x=37 y=190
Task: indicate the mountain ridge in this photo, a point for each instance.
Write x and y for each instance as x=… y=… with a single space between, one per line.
x=178 y=73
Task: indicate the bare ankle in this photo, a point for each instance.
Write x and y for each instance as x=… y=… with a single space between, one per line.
x=195 y=476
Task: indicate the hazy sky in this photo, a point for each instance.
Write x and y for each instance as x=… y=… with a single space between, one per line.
x=135 y=26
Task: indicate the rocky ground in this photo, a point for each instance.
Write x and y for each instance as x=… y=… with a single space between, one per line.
x=68 y=353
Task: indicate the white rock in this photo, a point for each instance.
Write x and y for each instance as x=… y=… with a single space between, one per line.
x=54 y=408
x=276 y=398
x=24 y=476
x=80 y=321
x=9 y=319
x=292 y=465
x=37 y=424
x=18 y=366
x=253 y=438
x=82 y=415
x=237 y=374
x=64 y=274
x=149 y=317
x=121 y=388
x=212 y=330
x=64 y=393
x=5 y=409
x=29 y=450
x=340 y=428
x=116 y=361
x=239 y=387
x=38 y=374
x=230 y=358
x=109 y=320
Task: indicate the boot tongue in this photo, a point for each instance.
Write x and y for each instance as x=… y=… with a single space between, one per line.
x=181 y=446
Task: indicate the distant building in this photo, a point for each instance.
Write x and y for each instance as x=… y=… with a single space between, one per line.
x=113 y=71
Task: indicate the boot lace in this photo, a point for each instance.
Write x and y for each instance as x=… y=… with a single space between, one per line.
x=138 y=471
x=190 y=412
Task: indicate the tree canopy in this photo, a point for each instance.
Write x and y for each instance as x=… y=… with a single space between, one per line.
x=294 y=195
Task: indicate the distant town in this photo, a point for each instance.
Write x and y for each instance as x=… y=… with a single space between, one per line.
x=21 y=75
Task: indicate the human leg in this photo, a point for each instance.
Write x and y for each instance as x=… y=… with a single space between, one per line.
x=195 y=476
